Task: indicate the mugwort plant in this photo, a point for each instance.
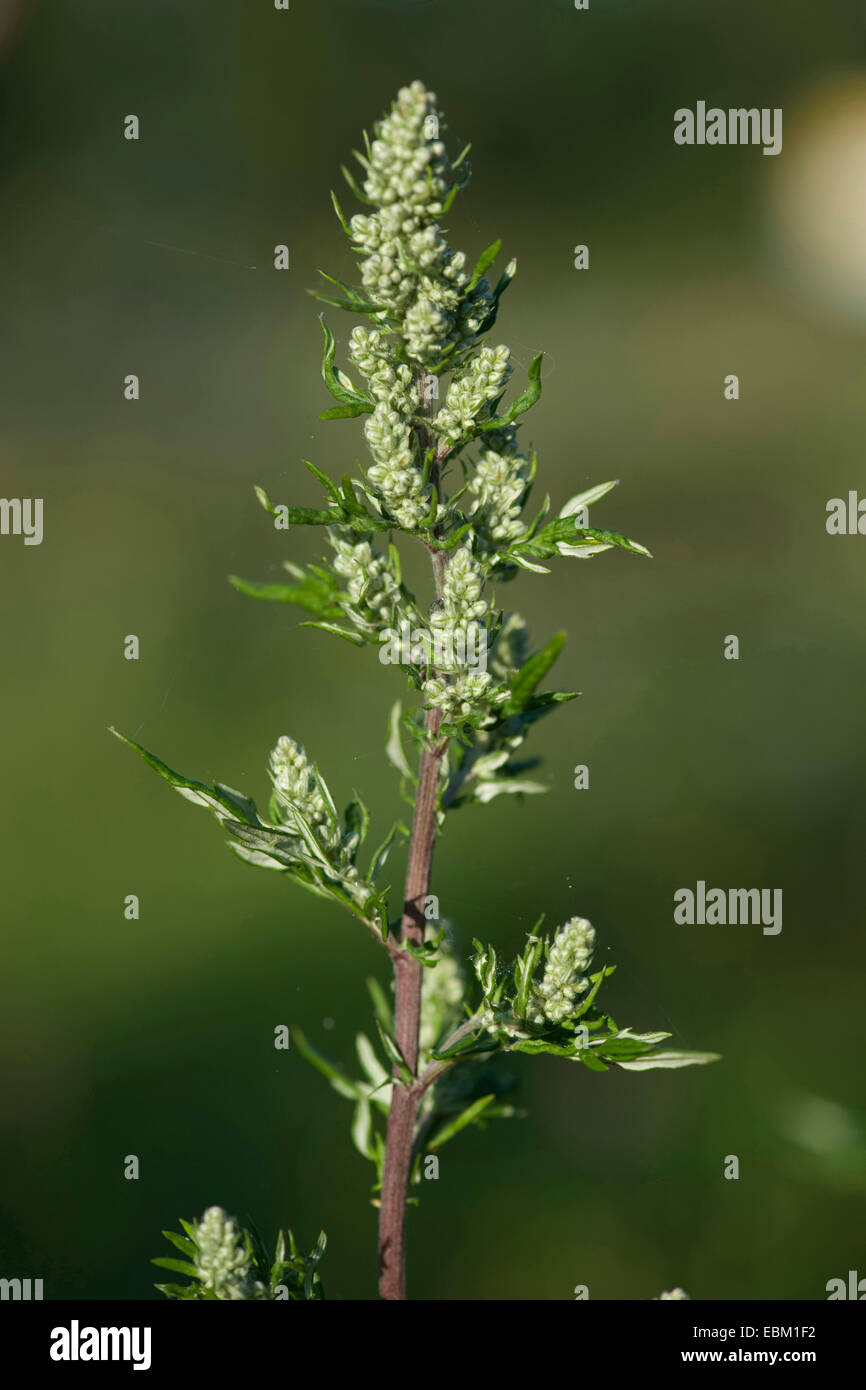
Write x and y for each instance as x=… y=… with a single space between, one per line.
x=447 y=472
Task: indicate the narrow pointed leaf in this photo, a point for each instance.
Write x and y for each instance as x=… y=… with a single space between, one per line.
x=485 y=260
x=177 y=1267
x=467 y=1117
x=526 y=680
x=341 y=1083
x=668 y=1059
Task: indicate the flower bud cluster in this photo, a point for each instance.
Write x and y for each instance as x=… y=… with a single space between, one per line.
x=420 y=286
x=498 y=485
x=553 y=999
x=480 y=381
x=222 y=1259
x=396 y=474
x=372 y=587
x=460 y=693
x=297 y=787
x=408 y=268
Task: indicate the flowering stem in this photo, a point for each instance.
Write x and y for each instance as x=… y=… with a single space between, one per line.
x=409 y=972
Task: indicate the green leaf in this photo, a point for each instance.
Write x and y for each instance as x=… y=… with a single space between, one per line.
x=466 y=1117
x=524 y=969
x=341 y=1083
x=182 y=1292
x=343 y=302
x=610 y=538
x=327 y=483
x=449 y=200
x=596 y=982
x=484 y=963
x=354 y=187
x=536 y=1046
x=298 y=516
x=381 y=1006
x=395 y=1054
x=381 y=854
x=362 y=1128
x=225 y=804
x=376 y=910
x=344 y=412
x=485 y=792
x=426 y=952
x=339 y=211
x=481 y=1041
x=589 y=1060
x=348 y=634
x=523 y=402
x=485 y=260
x=311 y=1278
x=668 y=1059
x=264 y=500
x=394 y=747
x=312 y=594
x=350 y=299
x=586 y=499
x=513 y=558
x=376 y=1073
x=186 y=1247
x=502 y=284
x=540 y=705
x=357 y=818
x=524 y=682
x=562 y=537
x=457 y=537
x=349 y=499
x=360 y=401
x=177 y=1267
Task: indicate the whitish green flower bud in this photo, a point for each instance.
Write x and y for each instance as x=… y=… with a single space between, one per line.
x=395 y=474
x=222 y=1259
x=406 y=167
x=458 y=624
x=469 y=393
x=570 y=952
x=461 y=599
x=390 y=381
x=673 y=1294
x=466 y=695
x=296 y=786
x=372 y=587
x=425 y=329
x=407 y=266
x=499 y=483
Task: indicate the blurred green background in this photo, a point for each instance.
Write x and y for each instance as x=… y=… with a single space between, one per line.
x=155 y=1037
